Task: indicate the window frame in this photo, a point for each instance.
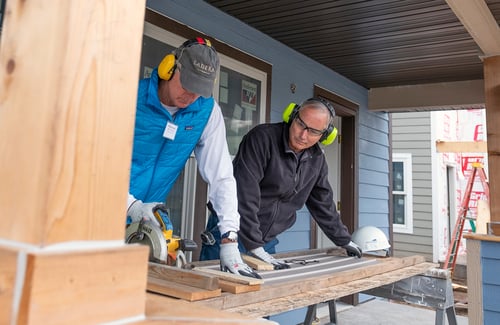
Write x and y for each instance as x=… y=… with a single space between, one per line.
x=406 y=159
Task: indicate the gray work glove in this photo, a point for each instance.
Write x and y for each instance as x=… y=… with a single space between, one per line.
x=230 y=260
x=353 y=249
x=260 y=253
x=142 y=211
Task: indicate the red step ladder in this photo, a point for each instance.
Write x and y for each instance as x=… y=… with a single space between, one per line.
x=451 y=257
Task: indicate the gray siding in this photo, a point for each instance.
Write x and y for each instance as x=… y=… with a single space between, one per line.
x=411 y=133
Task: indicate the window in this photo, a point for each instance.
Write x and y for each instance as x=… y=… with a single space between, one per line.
x=402 y=193
x=240 y=90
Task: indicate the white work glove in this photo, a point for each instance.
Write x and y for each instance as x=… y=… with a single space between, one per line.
x=263 y=255
x=230 y=260
x=142 y=211
x=353 y=249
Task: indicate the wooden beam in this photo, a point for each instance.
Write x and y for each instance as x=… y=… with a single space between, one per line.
x=461 y=146
x=492 y=91
x=8 y=271
x=67 y=108
x=95 y=285
x=479 y=22
x=427 y=97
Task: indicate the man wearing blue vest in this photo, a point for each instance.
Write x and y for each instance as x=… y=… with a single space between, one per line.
x=176 y=115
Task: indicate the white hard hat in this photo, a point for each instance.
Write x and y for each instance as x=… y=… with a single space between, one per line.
x=371 y=240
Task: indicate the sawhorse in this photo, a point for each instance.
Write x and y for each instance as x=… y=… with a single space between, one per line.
x=433 y=289
x=311 y=313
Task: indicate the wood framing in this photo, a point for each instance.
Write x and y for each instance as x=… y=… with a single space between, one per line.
x=492 y=89
x=458 y=146
x=95 y=285
x=68 y=93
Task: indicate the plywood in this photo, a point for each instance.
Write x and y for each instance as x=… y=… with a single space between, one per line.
x=68 y=90
x=98 y=285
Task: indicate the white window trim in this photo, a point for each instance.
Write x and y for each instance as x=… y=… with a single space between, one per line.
x=406 y=159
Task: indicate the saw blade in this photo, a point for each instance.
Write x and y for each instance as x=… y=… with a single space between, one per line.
x=146 y=233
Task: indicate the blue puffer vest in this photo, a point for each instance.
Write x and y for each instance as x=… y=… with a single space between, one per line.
x=156 y=160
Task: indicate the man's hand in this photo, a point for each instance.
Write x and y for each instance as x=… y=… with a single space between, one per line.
x=353 y=249
x=263 y=255
x=139 y=211
x=230 y=260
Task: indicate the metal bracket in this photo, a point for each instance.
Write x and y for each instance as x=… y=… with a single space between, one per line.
x=424 y=290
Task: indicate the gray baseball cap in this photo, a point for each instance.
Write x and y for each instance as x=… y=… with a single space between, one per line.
x=198 y=65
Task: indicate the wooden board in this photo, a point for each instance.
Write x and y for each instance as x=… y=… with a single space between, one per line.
x=311 y=297
x=166 y=310
x=94 y=285
x=179 y=290
x=256 y=264
x=272 y=290
x=229 y=276
x=233 y=287
x=181 y=276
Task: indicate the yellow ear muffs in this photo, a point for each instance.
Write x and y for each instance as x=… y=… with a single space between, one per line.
x=330 y=137
x=289 y=112
x=167 y=66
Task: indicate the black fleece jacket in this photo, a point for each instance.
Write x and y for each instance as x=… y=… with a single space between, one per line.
x=273 y=183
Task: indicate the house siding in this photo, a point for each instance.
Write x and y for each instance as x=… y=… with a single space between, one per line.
x=411 y=133
x=289 y=66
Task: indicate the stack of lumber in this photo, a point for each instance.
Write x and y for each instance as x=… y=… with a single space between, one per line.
x=198 y=283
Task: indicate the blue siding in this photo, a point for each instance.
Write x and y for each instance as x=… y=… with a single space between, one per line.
x=289 y=66
x=490 y=265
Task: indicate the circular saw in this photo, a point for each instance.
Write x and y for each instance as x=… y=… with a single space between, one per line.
x=165 y=248
x=146 y=233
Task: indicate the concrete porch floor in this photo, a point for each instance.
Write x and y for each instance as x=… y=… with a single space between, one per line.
x=379 y=311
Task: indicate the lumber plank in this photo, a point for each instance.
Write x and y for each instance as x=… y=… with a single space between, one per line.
x=461 y=146
x=108 y=282
x=230 y=276
x=179 y=290
x=312 y=283
x=232 y=287
x=162 y=309
x=311 y=297
x=256 y=263
x=175 y=274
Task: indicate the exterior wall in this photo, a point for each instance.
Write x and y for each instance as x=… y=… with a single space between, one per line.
x=490 y=262
x=438 y=179
x=411 y=133
x=289 y=66
x=462 y=125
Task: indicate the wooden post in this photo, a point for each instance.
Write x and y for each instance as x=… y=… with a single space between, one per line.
x=69 y=74
x=492 y=95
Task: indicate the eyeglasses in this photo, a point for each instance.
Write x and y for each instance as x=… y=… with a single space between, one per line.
x=304 y=126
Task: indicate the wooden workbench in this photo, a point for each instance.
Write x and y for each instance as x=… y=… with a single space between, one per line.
x=313 y=283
